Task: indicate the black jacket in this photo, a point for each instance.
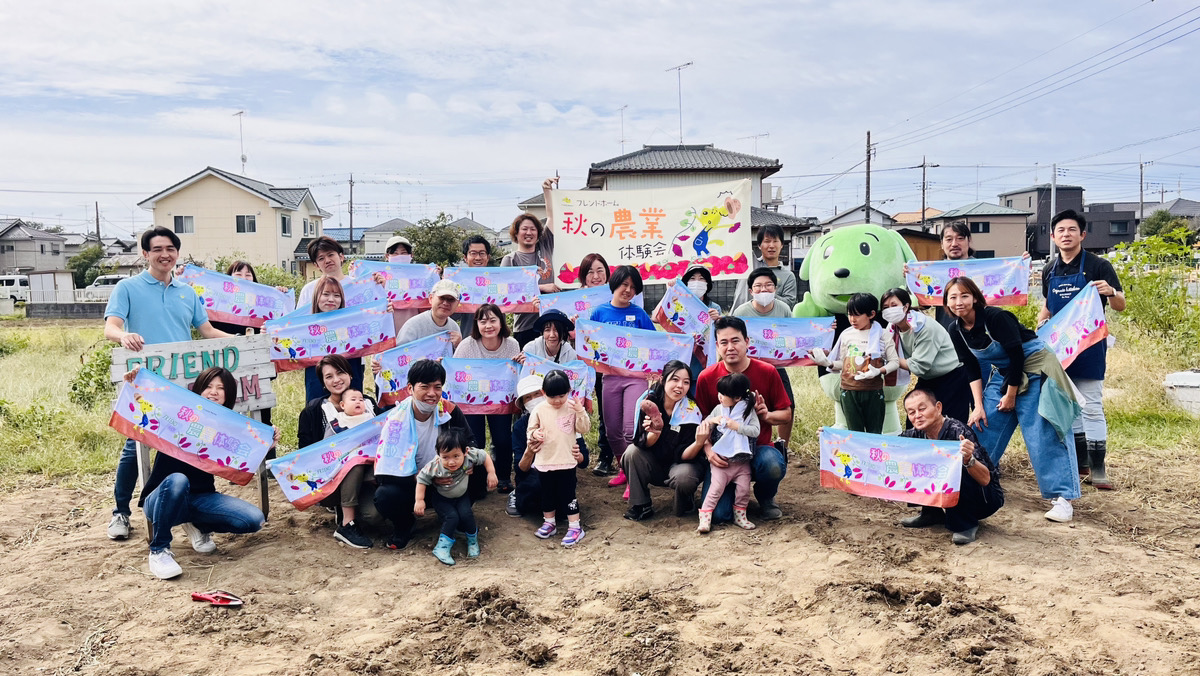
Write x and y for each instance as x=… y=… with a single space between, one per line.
x=311 y=427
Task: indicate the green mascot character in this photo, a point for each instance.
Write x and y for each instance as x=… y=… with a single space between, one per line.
x=853 y=259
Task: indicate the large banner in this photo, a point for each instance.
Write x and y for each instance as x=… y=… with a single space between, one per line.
x=1076 y=327
x=313 y=473
x=361 y=290
x=392 y=381
x=661 y=231
x=625 y=351
x=237 y=301
x=176 y=421
x=582 y=377
x=577 y=303
x=1003 y=281
x=407 y=284
x=681 y=311
x=786 y=342
x=917 y=471
x=300 y=340
x=513 y=289
x=481 y=386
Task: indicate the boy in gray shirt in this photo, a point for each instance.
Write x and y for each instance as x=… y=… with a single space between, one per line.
x=455 y=460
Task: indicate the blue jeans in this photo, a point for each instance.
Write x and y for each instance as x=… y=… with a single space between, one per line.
x=173 y=503
x=127 y=476
x=767 y=469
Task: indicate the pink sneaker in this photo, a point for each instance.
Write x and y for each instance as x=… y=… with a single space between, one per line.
x=619 y=480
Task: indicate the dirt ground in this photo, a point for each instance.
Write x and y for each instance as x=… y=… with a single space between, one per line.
x=836 y=586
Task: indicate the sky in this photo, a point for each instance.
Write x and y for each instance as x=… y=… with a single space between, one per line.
x=464 y=107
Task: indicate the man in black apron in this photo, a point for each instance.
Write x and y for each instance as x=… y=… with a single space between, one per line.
x=1064 y=277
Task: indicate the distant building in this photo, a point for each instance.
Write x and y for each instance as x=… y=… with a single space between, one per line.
x=24 y=248
x=375 y=239
x=1124 y=218
x=926 y=246
x=858 y=215
x=218 y=213
x=472 y=227
x=1036 y=200
x=914 y=217
x=996 y=231
x=74 y=242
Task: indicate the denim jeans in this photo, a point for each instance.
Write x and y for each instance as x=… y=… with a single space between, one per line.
x=173 y=503
x=127 y=477
x=767 y=469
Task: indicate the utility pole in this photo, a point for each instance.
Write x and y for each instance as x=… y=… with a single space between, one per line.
x=621 y=110
x=1053 y=202
x=679 y=88
x=98 y=222
x=1137 y=232
x=351 y=210
x=924 y=186
x=868 y=207
x=241 y=145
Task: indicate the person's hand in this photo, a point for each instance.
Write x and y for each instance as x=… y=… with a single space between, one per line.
x=647 y=424
x=537 y=302
x=576 y=405
x=871 y=372
x=1007 y=403
x=376 y=367
x=128 y=377
x=577 y=454
x=1104 y=287
x=967 y=447
x=714 y=459
x=977 y=416
x=455 y=338
x=445 y=480
x=520 y=358
x=704 y=430
x=379 y=278
x=282 y=289
x=715 y=314
x=906 y=269
x=539 y=436
x=1025 y=255
x=493 y=481
x=760 y=405
x=550 y=183
x=276 y=437
x=819 y=357
x=132 y=341
x=419 y=508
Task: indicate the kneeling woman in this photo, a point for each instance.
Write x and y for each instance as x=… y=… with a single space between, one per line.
x=666 y=447
x=179 y=494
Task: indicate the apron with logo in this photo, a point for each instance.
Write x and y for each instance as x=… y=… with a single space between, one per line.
x=1060 y=289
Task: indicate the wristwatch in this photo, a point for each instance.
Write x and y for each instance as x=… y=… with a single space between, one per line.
x=969 y=465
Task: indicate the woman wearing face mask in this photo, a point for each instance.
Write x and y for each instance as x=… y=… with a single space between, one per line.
x=930 y=355
x=553 y=343
x=699 y=281
x=327 y=297
x=593 y=271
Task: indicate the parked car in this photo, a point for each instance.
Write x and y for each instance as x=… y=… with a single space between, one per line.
x=101 y=288
x=15 y=287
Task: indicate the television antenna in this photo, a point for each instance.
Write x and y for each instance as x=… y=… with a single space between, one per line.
x=241 y=145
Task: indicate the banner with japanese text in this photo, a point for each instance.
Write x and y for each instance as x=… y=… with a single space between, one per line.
x=176 y=421
x=681 y=311
x=660 y=231
x=917 y=471
x=579 y=303
x=513 y=289
x=391 y=383
x=582 y=377
x=361 y=290
x=313 y=473
x=481 y=386
x=300 y=340
x=1076 y=327
x=237 y=301
x=407 y=284
x=625 y=351
x=787 y=342
x=1003 y=281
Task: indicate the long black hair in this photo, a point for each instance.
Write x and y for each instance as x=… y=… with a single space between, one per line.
x=736 y=386
x=209 y=374
x=657 y=393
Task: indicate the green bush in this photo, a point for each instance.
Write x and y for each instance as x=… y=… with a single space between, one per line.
x=91 y=384
x=265 y=273
x=12 y=342
x=1154 y=273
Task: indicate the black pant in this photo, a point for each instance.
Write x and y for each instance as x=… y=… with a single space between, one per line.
x=396 y=495
x=975 y=502
x=953 y=390
x=525 y=337
x=606 y=454
x=502 y=453
x=455 y=513
x=558 y=491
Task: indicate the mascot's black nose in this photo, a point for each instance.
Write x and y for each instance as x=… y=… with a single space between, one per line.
x=841 y=273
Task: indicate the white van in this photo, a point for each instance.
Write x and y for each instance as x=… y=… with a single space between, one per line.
x=101 y=288
x=15 y=287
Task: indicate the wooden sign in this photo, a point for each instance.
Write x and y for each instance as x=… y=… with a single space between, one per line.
x=247 y=357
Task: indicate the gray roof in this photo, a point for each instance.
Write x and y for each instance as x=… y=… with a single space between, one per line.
x=1176 y=207
x=538 y=200
x=1042 y=186
x=760 y=217
x=465 y=223
x=886 y=220
x=681 y=158
x=343 y=234
x=288 y=198
x=981 y=209
x=15 y=228
x=392 y=225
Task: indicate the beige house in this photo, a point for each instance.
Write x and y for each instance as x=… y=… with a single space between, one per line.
x=217 y=213
x=996 y=231
x=24 y=248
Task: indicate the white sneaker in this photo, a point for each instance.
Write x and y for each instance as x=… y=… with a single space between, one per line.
x=163 y=565
x=1060 y=510
x=201 y=541
x=118 y=528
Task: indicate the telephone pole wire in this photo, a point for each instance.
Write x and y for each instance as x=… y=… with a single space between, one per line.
x=868 y=206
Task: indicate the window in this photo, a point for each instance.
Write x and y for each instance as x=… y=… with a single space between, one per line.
x=285 y=225
x=245 y=224
x=307 y=231
x=986 y=253
x=1008 y=203
x=981 y=227
x=1030 y=205
x=1118 y=228
x=293 y=267
x=55 y=251
x=184 y=225
x=5 y=248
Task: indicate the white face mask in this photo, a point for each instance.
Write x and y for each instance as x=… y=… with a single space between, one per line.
x=424 y=408
x=698 y=287
x=533 y=403
x=764 y=299
x=891 y=315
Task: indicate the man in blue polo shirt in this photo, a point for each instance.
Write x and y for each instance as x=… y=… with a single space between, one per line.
x=149 y=308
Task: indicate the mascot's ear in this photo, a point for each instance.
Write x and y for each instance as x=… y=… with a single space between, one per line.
x=905 y=249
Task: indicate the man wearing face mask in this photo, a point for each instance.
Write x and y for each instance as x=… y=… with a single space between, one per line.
x=765 y=303
x=526 y=496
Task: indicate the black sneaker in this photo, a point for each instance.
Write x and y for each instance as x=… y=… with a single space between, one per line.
x=604 y=468
x=639 y=512
x=504 y=487
x=397 y=542
x=684 y=504
x=350 y=535
x=511 y=508
x=929 y=516
x=781 y=446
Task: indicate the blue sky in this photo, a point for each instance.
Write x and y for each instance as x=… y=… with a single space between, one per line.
x=463 y=107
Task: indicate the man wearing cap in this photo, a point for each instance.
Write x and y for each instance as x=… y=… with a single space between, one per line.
x=443 y=298
x=328 y=256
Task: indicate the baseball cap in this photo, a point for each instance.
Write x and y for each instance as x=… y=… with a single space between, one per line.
x=397 y=239
x=444 y=287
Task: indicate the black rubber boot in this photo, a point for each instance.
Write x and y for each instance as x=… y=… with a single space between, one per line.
x=929 y=516
x=1081 y=455
x=1096 y=452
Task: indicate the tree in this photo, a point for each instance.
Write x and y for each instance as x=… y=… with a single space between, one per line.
x=83 y=262
x=1161 y=222
x=436 y=241
x=264 y=273
x=52 y=229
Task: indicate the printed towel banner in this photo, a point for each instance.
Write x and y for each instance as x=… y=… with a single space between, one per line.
x=660 y=231
x=681 y=311
x=361 y=290
x=580 y=302
x=396 y=454
x=625 y=351
x=583 y=378
x=407 y=284
x=786 y=342
x=513 y=289
x=1076 y=327
x=176 y=421
x=300 y=340
x=918 y=471
x=237 y=301
x=392 y=381
x=310 y=474
x=481 y=385
x=1004 y=281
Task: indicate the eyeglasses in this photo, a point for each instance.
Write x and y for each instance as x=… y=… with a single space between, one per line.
x=760 y=288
